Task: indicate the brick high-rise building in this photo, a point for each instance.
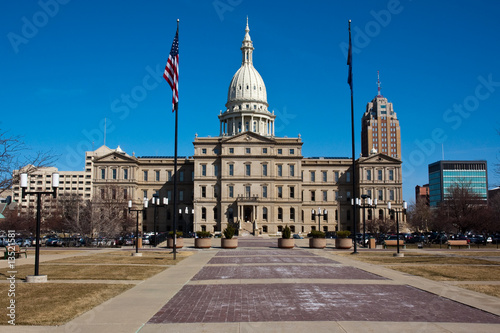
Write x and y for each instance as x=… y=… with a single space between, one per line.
x=380 y=128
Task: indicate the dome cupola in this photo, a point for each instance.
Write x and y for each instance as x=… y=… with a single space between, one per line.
x=246 y=107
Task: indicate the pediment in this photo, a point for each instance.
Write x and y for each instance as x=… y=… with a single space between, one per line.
x=378 y=158
x=115 y=157
x=249 y=138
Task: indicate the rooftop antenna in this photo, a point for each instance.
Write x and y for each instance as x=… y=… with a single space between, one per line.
x=378 y=83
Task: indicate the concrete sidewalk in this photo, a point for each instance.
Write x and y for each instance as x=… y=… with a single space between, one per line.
x=263 y=289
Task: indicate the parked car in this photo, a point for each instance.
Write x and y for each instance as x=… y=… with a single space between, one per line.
x=23 y=242
x=51 y=241
x=145 y=240
x=297 y=236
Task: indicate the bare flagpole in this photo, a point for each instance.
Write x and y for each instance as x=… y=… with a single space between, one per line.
x=354 y=196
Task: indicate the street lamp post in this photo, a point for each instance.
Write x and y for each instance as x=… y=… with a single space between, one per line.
x=320 y=212
x=24 y=186
x=155 y=201
x=137 y=254
x=354 y=203
x=396 y=211
x=371 y=204
x=186 y=213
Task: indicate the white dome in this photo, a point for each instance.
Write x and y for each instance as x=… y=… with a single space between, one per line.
x=247 y=85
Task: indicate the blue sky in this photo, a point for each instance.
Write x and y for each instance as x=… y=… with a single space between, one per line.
x=69 y=64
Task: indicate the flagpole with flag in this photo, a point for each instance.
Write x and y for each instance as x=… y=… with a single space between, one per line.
x=353 y=199
x=171 y=74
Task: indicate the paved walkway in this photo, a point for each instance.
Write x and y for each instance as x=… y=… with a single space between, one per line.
x=256 y=288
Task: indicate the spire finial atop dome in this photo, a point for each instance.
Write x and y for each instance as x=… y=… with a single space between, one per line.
x=247 y=47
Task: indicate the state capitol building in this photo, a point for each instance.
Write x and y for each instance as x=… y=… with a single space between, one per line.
x=246 y=176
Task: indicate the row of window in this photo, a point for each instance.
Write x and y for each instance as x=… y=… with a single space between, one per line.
x=380 y=174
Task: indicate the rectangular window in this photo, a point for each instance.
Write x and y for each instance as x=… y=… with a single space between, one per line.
x=181 y=195
x=157 y=175
x=203 y=169
x=248 y=169
x=169 y=175
x=113 y=193
x=280 y=151
x=203 y=191
x=292 y=170
x=103 y=173
x=325 y=176
x=264 y=213
x=292 y=192
x=325 y=195
x=292 y=151
x=145 y=175
x=125 y=194
x=369 y=192
x=313 y=195
x=125 y=173
x=379 y=172
x=248 y=192
x=280 y=170
x=247 y=150
x=280 y=192
x=336 y=195
x=391 y=195
x=181 y=176
x=264 y=150
x=347 y=176
x=348 y=194
x=145 y=193
x=216 y=170
x=264 y=191
x=204 y=151
x=336 y=176
x=368 y=175
x=313 y=176
x=391 y=174
x=380 y=195
x=264 y=169
x=169 y=196
x=231 y=169
x=231 y=191
x=114 y=173
x=231 y=150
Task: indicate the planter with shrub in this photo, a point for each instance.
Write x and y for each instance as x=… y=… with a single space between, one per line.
x=317 y=239
x=343 y=241
x=179 y=241
x=286 y=242
x=203 y=241
x=229 y=241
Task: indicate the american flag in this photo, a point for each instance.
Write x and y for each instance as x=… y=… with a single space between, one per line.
x=171 y=73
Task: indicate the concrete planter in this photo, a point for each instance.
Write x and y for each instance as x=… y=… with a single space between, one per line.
x=229 y=243
x=179 y=243
x=286 y=243
x=202 y=243
x=317 y=243
x=343 y=243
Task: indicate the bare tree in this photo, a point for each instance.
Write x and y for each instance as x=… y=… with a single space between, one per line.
x=462 y=208
x=109 y=216
x=14 y=155
x=419 y=216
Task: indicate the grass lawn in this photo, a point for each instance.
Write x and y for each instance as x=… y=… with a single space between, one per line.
x=56 y=304
x=124 y=257
x=87 y=272
x=492 y=290
x=452 y=273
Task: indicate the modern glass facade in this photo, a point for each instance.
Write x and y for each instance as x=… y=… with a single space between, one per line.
x=445 y=174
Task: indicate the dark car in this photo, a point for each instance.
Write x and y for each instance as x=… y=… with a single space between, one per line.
x=297 y=236
x=51 y=241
